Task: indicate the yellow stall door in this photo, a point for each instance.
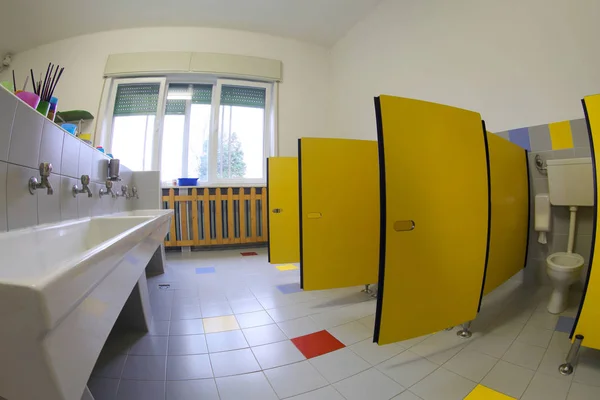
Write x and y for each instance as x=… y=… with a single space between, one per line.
x=434 y=219
x=340 y=213
x=510 y=211
x=587 y=323
x=282 y=199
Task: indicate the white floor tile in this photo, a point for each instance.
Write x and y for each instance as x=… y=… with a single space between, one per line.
x=375 y=354
x=535 y=336
x=299 y=327
x=543 y=320
x=587 y=370
x=204 y=389
x=233 y=363
x=492 y=345
x=339 y=364
x=524 y=355
x=252 y=386
x=294 y=379
x=547 y=388
x=407 y=395
x=217 y=309
x=370 y=384
x=407 y=344
x=326 y=393
x=407 y=368
x=257 y=318
x=508 y=329
x=579 y=391
x=225 y=341
x=277 y=354
x=443 y=384
x=471 y=364
x=351 y=333
x=440 y=347
x=245 y=306
x=368 y=321
x=264 y=335
x=509 y=379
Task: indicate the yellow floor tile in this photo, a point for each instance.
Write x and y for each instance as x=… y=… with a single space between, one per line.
x=287 y=267
x=484 y=393
x=220 y=324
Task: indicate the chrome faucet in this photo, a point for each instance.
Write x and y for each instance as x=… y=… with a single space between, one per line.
x=134 y=192
x=108 y=189
x=85 y=182
x=124 y=192
x=34 y=184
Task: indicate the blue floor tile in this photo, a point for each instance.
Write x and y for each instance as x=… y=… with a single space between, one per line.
x=564 y=324
x=289 y=288
x=206 y=270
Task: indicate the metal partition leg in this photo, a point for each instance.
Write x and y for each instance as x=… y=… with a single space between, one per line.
x=465 y=332
x=366 y=290
x=567 y=368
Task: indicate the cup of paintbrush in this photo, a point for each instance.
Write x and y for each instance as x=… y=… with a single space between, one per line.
x=30 y=98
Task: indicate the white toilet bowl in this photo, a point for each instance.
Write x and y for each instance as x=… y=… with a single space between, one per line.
x=564 y=270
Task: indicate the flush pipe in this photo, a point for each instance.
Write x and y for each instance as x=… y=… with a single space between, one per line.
x=572 y=221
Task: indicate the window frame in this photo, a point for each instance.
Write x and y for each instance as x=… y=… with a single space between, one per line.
x=269 y=131
x=158 y=119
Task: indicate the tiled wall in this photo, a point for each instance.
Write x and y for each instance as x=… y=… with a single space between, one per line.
x=567 y=139
x=26 y=140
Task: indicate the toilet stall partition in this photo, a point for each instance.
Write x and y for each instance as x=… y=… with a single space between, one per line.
x=587 y=323
x=283 y=214
x=433 y=171
x=339 y=212
x=509 y=225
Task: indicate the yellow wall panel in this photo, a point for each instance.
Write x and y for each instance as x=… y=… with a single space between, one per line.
x=510 y=211
x=282 y=192
x=588 y=319
x=561 y=135
x=434 y=165
x=340 y=212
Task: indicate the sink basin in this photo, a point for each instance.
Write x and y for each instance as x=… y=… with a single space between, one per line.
x=62 y=287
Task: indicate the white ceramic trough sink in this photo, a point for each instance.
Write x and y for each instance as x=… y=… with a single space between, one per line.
x=62 y=287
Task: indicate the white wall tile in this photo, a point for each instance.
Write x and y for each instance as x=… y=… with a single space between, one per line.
x=104 y=203
x=8 y=105
x=26 y=137
x=99 y=167
x=51 y=147
x=68 y=203
x=70 y=156
x=3 y=169
x=48 y=207
x=21 y=207
x=149 y=190
x=86 y=204
x=85 y=160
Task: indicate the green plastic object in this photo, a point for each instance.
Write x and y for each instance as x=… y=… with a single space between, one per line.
x=74 y=115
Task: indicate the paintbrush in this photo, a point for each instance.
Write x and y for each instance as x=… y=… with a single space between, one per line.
x=26 y=81
x=45 y=82
x=57 y=79
x=32 y=81
x=14 y=82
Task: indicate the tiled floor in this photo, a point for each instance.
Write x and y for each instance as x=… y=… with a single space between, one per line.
x=246 y=331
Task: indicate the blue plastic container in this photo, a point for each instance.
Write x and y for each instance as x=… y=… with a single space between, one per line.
x=187 y=181
x=71 y=128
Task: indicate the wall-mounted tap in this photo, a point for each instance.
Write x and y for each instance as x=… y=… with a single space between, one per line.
x=134 y=192
x=85 y=182
x=124 y=192
x=34 y=184
x=108 y=189
x=540 y=164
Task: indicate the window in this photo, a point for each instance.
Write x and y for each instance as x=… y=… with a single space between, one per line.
x=219 y=132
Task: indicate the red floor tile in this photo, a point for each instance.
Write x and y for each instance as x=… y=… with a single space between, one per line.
x=249 y=253
x=317 y=344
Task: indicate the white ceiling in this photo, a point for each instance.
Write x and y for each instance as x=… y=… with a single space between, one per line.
x=28 y=23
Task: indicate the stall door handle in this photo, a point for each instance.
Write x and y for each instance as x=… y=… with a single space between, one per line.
x=403 y=226
x=277 y=210
x=314 y=215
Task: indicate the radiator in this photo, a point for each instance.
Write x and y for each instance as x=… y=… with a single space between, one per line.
x=216 y=216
